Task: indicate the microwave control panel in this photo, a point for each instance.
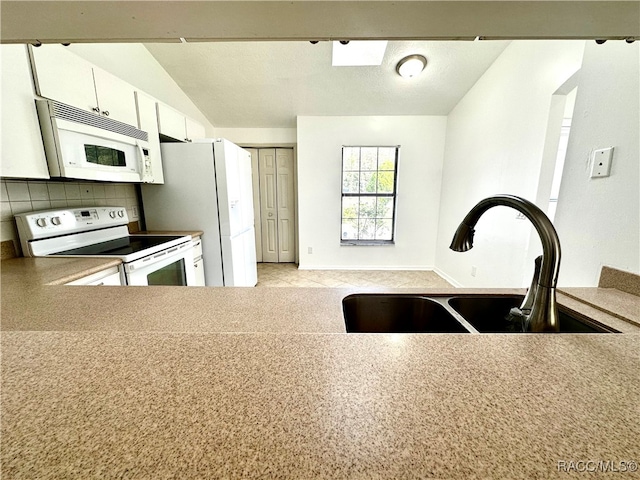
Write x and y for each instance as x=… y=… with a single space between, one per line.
x=147 y=172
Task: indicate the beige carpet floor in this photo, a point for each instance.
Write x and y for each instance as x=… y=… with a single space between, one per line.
x=288 y=275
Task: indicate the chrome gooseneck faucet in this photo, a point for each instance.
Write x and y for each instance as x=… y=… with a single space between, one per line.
x=539 y=309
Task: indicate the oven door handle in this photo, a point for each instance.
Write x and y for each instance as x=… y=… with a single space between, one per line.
x=146 y=262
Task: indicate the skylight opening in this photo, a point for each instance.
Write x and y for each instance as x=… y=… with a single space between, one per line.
x=358 y=53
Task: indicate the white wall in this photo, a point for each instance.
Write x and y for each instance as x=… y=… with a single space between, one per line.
x=598 y=220
x=258 y=136
x=494 y=144
x=320 y=140
x=133 y=63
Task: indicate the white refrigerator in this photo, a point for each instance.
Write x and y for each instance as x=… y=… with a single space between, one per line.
x=208 y=187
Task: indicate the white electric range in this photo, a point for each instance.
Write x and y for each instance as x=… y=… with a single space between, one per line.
x=103 y=232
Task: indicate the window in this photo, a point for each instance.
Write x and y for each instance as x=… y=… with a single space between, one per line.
x=368 y=195
x=105 y=156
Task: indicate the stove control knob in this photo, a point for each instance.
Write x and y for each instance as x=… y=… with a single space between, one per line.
x=56 y=221
x=121 y=213
x=41 y=222
x=112 y=214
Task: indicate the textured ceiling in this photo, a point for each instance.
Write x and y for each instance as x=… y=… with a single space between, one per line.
x=267 y=84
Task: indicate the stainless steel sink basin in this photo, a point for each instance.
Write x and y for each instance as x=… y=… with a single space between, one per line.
x=393 y=313
x=490 y=314
x=411 y=313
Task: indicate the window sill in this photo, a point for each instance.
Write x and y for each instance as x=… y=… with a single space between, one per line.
x=368 y=243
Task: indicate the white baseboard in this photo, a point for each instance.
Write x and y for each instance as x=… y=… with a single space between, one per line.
x=421 y=268
x=448 y=278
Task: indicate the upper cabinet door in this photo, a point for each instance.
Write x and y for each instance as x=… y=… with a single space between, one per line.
x=171 y=123
x=194 y=129
x=174 y=124
x=116 y=98
x=63 y=76
x=22 y=150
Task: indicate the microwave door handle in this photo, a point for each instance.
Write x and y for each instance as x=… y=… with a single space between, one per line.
x=140 y=158
x=141 y=165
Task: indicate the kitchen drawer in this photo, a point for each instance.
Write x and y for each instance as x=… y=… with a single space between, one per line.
x=197 y=247
x=110 y=276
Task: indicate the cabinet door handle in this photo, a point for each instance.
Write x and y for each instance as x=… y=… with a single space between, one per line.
x=105 y=113
x=96 y=109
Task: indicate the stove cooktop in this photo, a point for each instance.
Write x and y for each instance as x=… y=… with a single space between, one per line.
x=122 y=247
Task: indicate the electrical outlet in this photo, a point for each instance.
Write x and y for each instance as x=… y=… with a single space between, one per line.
x=134 y=213
x=310 y=250
x=474 y=270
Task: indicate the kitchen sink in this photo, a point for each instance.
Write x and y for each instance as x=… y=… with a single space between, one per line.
x=490 y=314
x=397 y=313
x=410 y=313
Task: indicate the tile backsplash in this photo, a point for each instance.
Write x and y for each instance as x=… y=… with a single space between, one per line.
x=19 y=196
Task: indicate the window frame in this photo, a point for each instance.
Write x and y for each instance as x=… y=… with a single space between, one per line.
x=393 y=195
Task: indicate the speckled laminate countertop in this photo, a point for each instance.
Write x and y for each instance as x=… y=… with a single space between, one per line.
x=620 y=304
x=28 y=273
x=151 y=384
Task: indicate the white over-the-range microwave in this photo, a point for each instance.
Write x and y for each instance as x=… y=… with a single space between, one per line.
x=82 y=145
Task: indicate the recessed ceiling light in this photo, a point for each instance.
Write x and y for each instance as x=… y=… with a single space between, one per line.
x=411 y=66
x=359 y=53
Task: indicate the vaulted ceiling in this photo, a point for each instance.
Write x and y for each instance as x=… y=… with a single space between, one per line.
x=267 y=84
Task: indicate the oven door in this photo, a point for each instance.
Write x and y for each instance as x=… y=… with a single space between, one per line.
x=173 y=266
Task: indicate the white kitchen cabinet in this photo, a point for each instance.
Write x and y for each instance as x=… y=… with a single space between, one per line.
x=110 y=276
x=65 y=77
x=199 y=268
x=174 y=124
x=198 y=262
x=148 y=121
x=171 y=123
x=116 y=98
x=22 y=149
x=195 y=130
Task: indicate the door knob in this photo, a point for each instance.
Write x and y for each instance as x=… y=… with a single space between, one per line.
x=270 y=214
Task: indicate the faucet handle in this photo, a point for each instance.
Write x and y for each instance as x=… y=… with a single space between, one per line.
x=527 y=303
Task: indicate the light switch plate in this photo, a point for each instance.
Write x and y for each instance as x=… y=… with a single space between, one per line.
x=601 y=162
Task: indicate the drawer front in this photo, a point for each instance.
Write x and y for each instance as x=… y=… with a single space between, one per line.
x=110 y=276
x=197 y=248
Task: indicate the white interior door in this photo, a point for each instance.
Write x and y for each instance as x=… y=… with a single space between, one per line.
x=277 y=204
x=286 y=202
x=268 y=204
